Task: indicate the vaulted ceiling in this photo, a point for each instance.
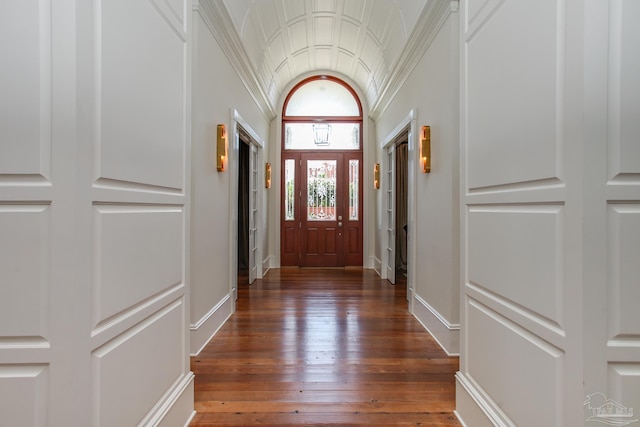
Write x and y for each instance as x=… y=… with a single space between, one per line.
x=372 y=42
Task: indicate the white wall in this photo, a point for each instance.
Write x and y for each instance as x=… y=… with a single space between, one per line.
x=217 y=92
x=550 y=181
x=94 y=167
x=432 y=91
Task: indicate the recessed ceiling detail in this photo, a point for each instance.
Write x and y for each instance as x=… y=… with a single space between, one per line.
x=363 y=40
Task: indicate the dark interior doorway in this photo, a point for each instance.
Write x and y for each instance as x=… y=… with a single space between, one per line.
x=243 y=212
x=402 y=219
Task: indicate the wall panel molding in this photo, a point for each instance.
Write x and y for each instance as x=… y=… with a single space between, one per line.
x=25 y=394
x=519 y=238
x=25 y=253
x=623 y=272
x=137 y=254
x=623 y=93
x=144 y=128
x=531 y=360
x=504 y=129
x=26 y=104
x=160 y=338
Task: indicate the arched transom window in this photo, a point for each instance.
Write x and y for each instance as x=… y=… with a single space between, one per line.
x=322 y=113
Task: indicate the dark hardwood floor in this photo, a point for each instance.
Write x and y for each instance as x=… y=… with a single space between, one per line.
x=323 y=347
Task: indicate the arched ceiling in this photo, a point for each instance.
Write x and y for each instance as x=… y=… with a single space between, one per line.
x=372 y=42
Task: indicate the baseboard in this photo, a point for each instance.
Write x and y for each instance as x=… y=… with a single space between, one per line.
x=266 y=265
x=377 y=265
x=474 y=408
x=209 y=324
x=176 y=408
x=445 y=333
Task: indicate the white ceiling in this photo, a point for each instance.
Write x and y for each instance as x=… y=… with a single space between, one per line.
x=275 y=42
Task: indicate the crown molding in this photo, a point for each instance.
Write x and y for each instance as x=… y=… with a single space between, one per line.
x=217 y=18
x=429 y=23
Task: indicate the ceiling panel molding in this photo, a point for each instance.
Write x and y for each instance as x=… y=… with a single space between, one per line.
x=427 y=26
x=219 y=22
x=376 y=44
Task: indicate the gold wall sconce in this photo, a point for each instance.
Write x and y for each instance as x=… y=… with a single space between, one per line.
x=267 y=175
x=425 y=149
x=221 y=148
x=376 y=176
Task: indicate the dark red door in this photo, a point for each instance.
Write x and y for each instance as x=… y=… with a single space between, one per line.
x=322 y=205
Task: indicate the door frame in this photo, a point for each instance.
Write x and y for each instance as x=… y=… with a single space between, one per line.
x=343 y=157
x=239 y=125
x=407 y=125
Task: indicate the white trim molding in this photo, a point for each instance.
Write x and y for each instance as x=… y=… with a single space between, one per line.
x=176 y=406
x=446 y=334
x=474 y=407
x=216 y=16
x=205 y=328
x=434 y=15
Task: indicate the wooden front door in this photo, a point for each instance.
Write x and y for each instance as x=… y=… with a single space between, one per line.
x=322 y=206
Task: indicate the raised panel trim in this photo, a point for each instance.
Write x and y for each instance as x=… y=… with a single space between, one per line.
x=175 y=179
x=616 y=301
x=554 y=131
x=99 y=356
x=109 y=329
x=28 y=305
x=483 y=15
x=522 y=316
x=32 y=350
x=119 y=308
x=539 y=185
x=533 y=339
x=619 y=371
x=614 y=99
x=44 y=82
x=170 y=15
x=35 y=408
x=548 y=208
x=127 y=191
x=548 y=354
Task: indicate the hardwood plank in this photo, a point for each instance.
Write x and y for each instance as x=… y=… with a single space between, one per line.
x=323 y=347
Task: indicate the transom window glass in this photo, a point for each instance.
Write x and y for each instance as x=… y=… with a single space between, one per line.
x=322 y=113
x=322 y=98
x=322 y=136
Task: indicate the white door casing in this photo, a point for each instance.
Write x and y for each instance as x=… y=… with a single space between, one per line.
x=253 y=214
x=389 y=257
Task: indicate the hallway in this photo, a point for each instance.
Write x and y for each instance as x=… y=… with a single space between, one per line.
x=323 y=347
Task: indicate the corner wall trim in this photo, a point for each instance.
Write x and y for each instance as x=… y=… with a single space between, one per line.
x=446 y=334
x=209 y=324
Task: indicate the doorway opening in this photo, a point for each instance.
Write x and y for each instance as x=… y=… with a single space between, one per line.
x=401 y=180
x=243 y=211
x=321 y=193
